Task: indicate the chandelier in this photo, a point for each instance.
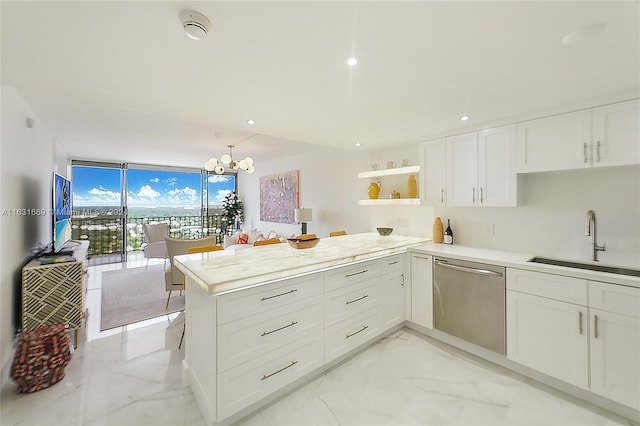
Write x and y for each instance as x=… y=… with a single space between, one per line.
x=213 y=165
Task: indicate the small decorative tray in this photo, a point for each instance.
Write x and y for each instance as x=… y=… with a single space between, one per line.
x=303 y=244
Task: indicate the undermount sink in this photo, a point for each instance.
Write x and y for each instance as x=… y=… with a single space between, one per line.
x=589 y=266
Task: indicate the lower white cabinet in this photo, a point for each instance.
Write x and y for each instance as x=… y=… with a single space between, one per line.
x=615 y=342
x=392 y=291
x=591 y=342
x=245 y=345
x=549 y=336
x=422 y=290
x=349 y=334
x=247 y=383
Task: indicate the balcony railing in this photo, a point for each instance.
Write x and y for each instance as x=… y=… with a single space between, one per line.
x=106 y=237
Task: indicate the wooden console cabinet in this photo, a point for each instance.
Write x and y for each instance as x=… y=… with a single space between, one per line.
x=54 y=294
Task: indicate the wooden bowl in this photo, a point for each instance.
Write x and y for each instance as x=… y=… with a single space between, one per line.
x=385 y=231
x=303 y=244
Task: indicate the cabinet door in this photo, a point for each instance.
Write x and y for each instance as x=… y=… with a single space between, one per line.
x=462 y=170
x=615 y=355
x=421 y=290
x=560 y=142
x=434 y=176
x=616 y=134
x=392 y=296
x=548 y=336
x=497 y=178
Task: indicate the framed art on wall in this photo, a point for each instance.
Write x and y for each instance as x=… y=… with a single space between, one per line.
x=279 y=197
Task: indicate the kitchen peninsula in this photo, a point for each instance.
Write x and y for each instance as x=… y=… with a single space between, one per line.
x=261 y=321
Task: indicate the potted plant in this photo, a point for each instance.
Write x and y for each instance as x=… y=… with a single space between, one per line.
x=232 y=212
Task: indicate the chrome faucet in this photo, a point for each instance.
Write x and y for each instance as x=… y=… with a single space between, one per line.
x=590 y=230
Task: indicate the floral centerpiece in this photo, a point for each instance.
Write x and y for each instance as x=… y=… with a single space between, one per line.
x=232 y=211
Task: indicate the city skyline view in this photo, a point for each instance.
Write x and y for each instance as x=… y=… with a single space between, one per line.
x=99 y=186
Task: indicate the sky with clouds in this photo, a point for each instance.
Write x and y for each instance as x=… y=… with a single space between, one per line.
x=93 y=186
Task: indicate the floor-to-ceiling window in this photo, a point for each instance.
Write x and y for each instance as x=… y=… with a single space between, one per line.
x=111 y=202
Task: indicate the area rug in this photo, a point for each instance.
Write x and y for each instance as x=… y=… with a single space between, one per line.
x=136 y=294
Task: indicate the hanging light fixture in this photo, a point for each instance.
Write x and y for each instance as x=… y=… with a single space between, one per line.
x=213 y=165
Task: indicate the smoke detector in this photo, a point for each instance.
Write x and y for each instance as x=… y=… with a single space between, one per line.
x=195 y=24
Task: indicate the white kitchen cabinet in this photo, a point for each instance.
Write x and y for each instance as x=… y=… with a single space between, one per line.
x=481 y=168
x=616 y=134
x=559 y=142
x=422 y=290
x=462 y=169
x=549 y=336
x=604 y=136
x=497 y=176
x=392 y=291
x=615 y=342
x=434 y=177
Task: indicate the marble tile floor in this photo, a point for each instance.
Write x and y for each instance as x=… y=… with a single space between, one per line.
x=133 y=376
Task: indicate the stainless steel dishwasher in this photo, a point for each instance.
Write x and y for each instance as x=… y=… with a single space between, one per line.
x=469 y=301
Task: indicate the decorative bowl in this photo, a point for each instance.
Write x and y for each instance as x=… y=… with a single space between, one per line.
x=385 y=231
x=303 y=244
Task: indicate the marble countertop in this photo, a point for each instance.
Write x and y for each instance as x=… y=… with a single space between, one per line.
x=520 y=261
x=229 y=270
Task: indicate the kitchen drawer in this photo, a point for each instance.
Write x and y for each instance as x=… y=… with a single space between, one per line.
x=256 y=300
x=614 y=298
x=392 y=265
x=250 y=382
x=349 y=301
x=349 y=275
x=347 y=335
x=247 y=338
x=557 y=287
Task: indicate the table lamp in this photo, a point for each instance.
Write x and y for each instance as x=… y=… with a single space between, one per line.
x=302 y=216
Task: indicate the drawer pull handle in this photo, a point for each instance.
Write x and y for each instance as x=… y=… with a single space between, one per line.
x=357 y=273
x=266 y=376
x=359 y=331
x=580 y=322
x=356 y=300
x=264 y=333
x=584 y=150
x=595 y=326
x=394 y=263
x=278 y=295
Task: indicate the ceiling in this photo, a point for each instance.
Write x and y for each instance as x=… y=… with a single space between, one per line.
x=121 y=80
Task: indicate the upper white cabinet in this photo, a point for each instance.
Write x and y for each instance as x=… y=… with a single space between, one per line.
x=462 y=169
x=435 y=176
x=598 y=137
x=616 y=134
x=481 y=168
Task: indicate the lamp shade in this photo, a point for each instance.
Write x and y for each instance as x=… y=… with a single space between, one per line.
x=302 y=215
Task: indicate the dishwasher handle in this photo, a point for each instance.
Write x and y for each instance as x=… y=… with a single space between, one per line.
x=466 y=269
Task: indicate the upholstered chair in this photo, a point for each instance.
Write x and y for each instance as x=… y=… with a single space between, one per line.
x=156 y=246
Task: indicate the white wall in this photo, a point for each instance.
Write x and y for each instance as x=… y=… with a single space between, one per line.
x=328 y=185
x=27 y=160
x=551 y=222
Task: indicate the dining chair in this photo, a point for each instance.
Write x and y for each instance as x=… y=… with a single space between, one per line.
x=267 y=242
x=173 y=277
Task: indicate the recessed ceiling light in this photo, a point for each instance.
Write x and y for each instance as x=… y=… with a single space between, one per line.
x=251 y=122
x=357 y=144
x=464 y=117
x=352 y=61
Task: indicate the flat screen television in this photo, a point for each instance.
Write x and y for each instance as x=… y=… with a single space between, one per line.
x=61 y=211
